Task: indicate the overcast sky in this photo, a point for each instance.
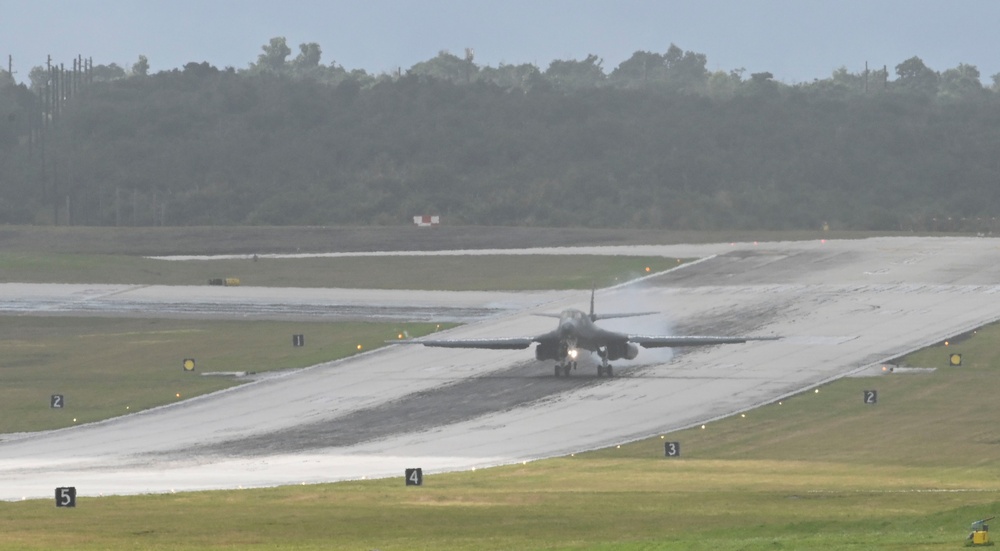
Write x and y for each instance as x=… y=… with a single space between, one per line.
x=796 y=40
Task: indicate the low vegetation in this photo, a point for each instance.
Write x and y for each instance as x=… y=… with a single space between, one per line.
x=821 y=470
x=106 y=367
x=455 y=273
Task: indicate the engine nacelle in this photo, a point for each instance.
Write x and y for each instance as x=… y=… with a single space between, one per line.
x=626 y=350
x=548 y=351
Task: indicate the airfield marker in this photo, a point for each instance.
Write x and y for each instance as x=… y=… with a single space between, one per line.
x=415 y=477
x=672 y=449
x=66 y=496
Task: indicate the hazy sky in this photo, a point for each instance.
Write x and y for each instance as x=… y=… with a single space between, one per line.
x=796 y=40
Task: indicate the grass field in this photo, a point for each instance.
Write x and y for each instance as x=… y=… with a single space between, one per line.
x=290 y=239
x=820 y=470
x=817 y=471
x=408 y=272
x=106 y=367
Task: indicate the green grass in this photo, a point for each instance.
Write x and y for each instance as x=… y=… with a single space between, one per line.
x=457 y=273
x=106 y=367
x=817 y=471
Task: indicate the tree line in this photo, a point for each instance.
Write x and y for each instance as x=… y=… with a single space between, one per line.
x=657 y=142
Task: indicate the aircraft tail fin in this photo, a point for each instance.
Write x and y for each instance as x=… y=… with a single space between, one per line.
x=593 y=291
x=595 y=317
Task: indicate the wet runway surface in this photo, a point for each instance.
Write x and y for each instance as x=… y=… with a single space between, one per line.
x=841 y=306
x=445 y=405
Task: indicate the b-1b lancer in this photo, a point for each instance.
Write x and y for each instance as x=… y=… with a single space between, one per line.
x=577 y=331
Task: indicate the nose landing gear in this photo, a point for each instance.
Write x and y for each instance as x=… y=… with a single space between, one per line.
x=563 y=368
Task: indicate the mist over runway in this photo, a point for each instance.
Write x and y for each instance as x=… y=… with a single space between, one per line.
x=841 y=306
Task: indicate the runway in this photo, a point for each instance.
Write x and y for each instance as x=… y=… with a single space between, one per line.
x=841 y=307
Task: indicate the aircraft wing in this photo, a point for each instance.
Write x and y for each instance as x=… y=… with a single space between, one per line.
x=629 y=315
x=505 y=343
x=651 y=341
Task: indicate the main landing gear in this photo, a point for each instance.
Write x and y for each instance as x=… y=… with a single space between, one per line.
x=604 y=368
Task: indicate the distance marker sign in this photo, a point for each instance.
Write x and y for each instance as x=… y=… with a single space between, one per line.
x=414 y=477
x=66 y=497
x=672 y=449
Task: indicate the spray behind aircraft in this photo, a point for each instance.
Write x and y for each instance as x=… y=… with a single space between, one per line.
x=577 y=330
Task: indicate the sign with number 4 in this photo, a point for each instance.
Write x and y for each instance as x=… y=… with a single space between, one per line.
x=414 y=477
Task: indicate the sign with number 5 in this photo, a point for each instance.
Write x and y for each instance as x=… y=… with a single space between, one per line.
x=66 y=497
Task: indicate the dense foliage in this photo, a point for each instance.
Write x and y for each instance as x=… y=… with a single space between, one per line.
x=657 y=142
